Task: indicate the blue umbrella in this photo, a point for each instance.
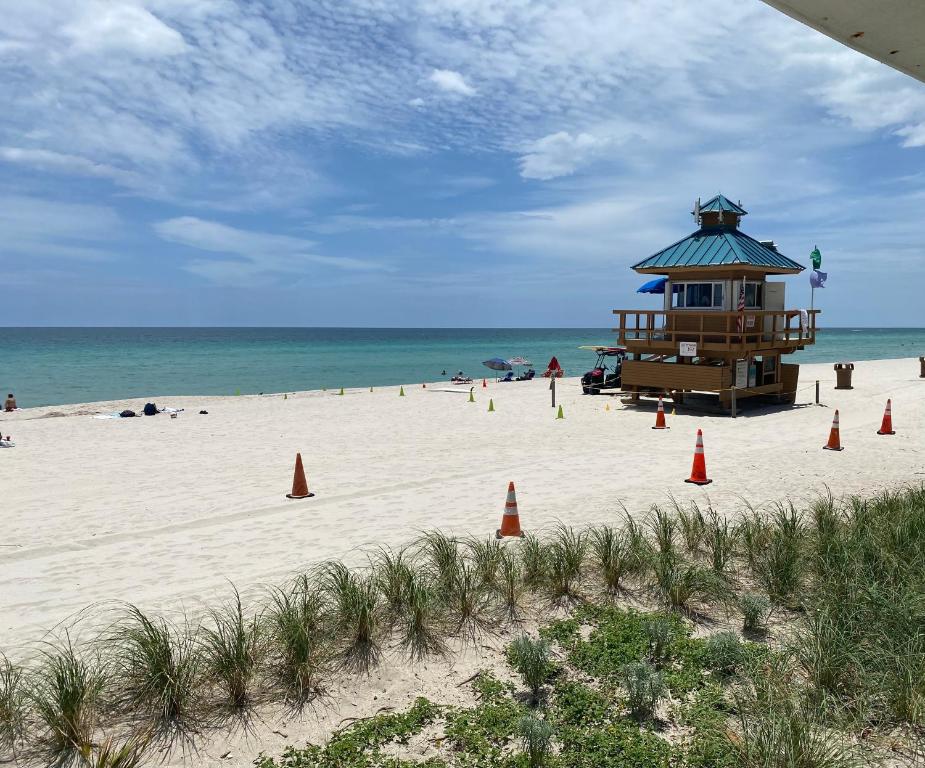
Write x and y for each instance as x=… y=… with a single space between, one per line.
x=497 y=364
x=653 y=286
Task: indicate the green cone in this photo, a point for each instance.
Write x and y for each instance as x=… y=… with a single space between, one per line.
x=560 y=415
x=401 y=391
x=491 y=405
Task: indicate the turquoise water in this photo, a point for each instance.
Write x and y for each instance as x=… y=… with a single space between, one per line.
x=52 y=366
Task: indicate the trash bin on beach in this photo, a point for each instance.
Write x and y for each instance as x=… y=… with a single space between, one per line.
x=843 y=375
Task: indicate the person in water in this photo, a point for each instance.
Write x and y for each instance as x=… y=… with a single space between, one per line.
x=10 y=403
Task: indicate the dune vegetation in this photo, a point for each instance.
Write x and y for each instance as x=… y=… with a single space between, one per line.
x=781 y=637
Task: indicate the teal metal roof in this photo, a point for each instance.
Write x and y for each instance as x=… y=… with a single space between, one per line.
x=718 y=247
x=722 y=203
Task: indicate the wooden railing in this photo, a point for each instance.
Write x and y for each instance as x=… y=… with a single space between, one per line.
x=662 y=331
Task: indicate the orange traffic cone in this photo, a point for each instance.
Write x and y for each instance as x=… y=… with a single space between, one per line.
x=484 y=383
x=886 y=428
x=660 y=416
x=510 y=522
x=834 y=443
x=299 y=483
x=699 y=470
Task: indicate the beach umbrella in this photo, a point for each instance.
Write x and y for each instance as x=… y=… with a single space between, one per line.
x=554 y=365
x=653 y=286
x=519 y=361
x=497 y=364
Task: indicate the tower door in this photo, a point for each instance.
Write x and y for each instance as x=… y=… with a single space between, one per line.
x=773 y=301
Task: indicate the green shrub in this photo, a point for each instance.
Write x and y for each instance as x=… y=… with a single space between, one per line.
x=536 y=737
x=755 y=611
x=644 y=686
x=724 y=653
x=530 y=659
x=660 y=631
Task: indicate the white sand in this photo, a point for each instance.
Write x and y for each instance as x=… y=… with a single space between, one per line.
x=165 y=512
x=162 y=511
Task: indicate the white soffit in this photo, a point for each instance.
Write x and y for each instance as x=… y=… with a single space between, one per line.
x=891 y=31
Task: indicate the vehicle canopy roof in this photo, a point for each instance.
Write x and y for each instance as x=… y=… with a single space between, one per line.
x=606 y=351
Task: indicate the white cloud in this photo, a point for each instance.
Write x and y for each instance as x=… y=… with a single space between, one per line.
x=451 y=81
x=560 y=154
x=71 y=164
x=103 y=27
x=259 y=254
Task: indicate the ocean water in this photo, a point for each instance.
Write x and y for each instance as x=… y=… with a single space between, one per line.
x=53 y=366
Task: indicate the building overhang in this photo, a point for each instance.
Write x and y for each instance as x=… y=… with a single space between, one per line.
x=719 y=272
x=890 y=31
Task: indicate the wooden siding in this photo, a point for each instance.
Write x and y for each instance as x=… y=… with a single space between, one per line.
x=675 y=376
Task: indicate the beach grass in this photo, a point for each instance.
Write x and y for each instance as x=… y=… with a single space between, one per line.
x=13 y=705
x=233 y=647
x=64 y=695
x=844 y=656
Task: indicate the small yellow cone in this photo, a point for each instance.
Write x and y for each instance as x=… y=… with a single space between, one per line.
x=673 y=411
x=560 y=414
x=471 y=395
x=285 y=395
x=491 y=405
x=341 y=391
x=607 y=407
x=401 y=391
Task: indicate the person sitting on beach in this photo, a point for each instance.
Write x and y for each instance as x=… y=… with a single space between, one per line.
x=10 y=404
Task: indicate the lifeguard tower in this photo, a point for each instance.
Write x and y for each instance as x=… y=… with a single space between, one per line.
x=724 y=324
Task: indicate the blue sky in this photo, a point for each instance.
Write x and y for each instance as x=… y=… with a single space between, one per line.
x=442 y=162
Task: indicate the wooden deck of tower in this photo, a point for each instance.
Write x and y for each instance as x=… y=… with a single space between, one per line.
x=724 y=325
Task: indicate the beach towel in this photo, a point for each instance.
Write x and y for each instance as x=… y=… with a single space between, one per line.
x=106 y=416
x=7 y=444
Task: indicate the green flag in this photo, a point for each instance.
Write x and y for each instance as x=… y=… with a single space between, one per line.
x=816 y=257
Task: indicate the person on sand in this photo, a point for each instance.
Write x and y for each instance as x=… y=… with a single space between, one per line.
x=10 y=403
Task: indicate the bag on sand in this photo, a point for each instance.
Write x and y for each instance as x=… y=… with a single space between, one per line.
x=150 y=409
x=127 y=414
